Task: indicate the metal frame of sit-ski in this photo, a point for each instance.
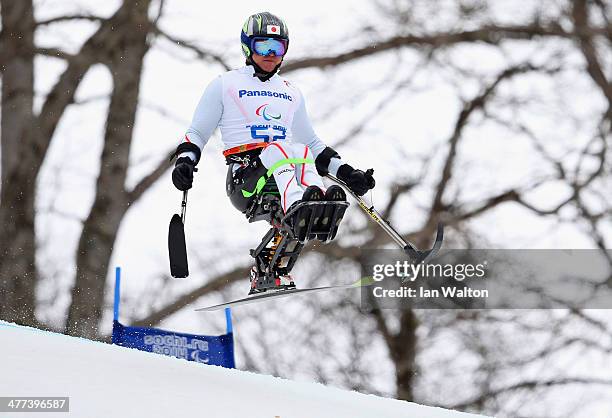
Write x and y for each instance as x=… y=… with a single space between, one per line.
x=280 y=248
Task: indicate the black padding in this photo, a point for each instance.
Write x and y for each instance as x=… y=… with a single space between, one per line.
x=244 y=178
x=188 y=147
x=177 y=249
x=323 y=159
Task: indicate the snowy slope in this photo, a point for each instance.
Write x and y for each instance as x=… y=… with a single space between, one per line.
x=109 y=381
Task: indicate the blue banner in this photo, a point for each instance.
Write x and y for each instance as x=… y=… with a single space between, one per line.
x=215 y=350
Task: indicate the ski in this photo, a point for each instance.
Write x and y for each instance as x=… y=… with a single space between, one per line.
x=259 y=297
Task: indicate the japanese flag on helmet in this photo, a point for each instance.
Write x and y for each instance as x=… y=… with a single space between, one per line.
x=273 y=30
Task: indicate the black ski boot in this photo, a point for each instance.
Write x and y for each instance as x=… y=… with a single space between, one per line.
x=313 y=193
x=334 y=193
x=305 y=215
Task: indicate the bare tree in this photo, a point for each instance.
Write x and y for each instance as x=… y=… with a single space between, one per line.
x=120 y=43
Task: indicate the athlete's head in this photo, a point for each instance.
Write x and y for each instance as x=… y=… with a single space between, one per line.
x=265 y=40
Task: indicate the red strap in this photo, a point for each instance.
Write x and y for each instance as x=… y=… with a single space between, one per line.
x=244 y=147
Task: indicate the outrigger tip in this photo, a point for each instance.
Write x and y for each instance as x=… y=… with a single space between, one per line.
x=424 y=256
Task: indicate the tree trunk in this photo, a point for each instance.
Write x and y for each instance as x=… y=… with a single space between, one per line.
x=111 y=200
x=403 y=354
x=19 y=170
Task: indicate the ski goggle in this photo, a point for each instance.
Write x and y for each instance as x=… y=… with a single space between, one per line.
x=267 y=46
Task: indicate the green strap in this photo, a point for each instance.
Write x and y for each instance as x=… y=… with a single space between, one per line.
x=261 y=182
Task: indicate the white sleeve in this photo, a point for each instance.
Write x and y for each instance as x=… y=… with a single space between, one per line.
x=206 y=117
x=303 y=132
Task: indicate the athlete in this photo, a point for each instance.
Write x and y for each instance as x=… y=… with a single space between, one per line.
x=265 y=130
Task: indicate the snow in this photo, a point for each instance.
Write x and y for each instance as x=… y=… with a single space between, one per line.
x=103 y=380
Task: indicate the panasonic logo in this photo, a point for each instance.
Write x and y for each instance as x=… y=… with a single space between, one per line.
x=265 y=93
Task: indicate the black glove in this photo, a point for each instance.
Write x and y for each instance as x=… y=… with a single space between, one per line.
x=358 y=181
x=182 y=175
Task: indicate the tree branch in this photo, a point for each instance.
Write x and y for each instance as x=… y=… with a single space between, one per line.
x=469 y=108
x=54 y=53
x=490 y=34
x=200 y=53
x=584 y=33
x=148 y=180
x=529 y=384
x=96 y=49
x=65 y=18
x=491 y=202
x=214 y=285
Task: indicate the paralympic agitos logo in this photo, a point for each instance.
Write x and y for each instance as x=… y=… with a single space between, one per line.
x=261 y=111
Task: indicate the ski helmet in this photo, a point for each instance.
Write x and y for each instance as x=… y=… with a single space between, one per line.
x=264 y=25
